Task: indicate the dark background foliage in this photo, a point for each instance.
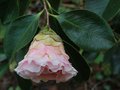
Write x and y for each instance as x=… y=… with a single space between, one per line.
x=90 y=33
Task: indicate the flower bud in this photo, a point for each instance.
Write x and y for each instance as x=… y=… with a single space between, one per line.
x=46 y=59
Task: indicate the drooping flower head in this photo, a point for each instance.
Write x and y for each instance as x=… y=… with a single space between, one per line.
x=46 y=59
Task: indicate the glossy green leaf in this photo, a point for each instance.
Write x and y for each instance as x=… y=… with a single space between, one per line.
x=57 y=28
x=86 y=30
x=112 y=57
x=78 y=63
x=105 y=8
x=20 y=33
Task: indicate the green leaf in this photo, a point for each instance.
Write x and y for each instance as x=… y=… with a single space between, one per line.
x=115 y=23
x=3 y=69
x=112 y=57
x=20 y=55
x=90 y=56
x=2 y=31
x=99 y=59
x=55 y=4
x=112 y=9
x=23 y=5
x=2 y=57
x=11 y=88
x=105 y=8
x=99 y=76
x=17 y=88
x=78 y=63
x=57 y=28
x=97 y=6
x=86 y=30
x=20 y=33
x=9 y=10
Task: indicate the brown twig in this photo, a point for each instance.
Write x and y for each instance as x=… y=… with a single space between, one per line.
x=81 y=4
x=47 y=13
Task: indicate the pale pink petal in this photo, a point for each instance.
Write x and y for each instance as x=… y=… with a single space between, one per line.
x=46 y=62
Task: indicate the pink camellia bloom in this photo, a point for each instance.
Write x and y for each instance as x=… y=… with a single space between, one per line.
x=46 y=60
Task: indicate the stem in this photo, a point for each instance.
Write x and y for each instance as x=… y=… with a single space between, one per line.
x=50 y=7
x=47 y=13
x=81 y=4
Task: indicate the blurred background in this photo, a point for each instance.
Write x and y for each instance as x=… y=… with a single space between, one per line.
x=105 y=66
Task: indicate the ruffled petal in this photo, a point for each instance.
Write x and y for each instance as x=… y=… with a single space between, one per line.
x=44 y=62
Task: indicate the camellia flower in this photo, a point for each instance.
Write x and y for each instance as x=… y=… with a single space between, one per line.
x=46 y=59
